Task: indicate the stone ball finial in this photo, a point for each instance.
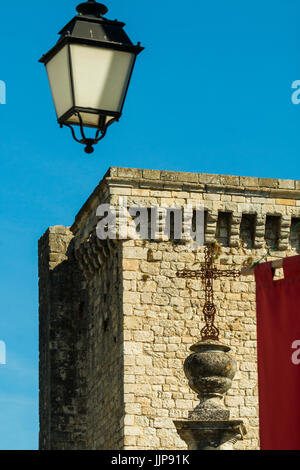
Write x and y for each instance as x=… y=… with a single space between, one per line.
x=210 y=370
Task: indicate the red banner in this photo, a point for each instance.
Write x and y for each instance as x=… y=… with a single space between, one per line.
x=278 y=349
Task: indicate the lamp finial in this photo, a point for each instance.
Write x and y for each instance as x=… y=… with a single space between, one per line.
x=91 y=7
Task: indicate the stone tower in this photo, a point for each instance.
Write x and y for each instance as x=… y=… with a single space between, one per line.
x=116 y=323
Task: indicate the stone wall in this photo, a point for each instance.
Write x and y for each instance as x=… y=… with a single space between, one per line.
x=141 y=319
x=162 y=319
x=62 y=344
x=102 y=267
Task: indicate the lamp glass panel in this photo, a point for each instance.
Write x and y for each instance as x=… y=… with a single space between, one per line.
x=58 y=71
x=89 y=119
x=100 y=76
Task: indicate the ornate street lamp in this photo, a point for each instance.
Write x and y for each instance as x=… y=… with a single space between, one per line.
x=89 y=71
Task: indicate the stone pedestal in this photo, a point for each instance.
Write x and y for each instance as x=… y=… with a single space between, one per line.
x=210 y=435
x=210 y=370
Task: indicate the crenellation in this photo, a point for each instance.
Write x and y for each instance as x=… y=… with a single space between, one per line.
x=272 y=230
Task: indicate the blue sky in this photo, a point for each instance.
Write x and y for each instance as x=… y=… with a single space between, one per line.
x=211 y=93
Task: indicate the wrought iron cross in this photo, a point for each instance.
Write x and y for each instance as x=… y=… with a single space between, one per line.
x=208 y=273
